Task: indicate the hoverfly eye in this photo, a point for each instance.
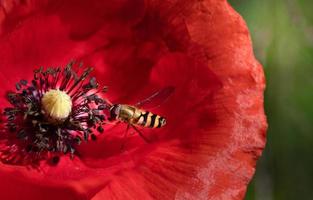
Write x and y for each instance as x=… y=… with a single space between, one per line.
x=117 y=110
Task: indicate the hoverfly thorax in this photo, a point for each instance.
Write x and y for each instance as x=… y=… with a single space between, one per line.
x=123 y=112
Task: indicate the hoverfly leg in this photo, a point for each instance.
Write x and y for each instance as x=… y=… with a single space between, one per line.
x=114 y=123
x=125 y=138
x=140 y=134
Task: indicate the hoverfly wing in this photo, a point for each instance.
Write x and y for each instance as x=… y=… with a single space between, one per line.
x=156 y=99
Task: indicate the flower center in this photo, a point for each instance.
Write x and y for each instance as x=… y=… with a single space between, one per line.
x=57 y=104
x=55 y=111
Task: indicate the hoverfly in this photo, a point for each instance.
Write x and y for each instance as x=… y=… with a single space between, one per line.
x=135 y=116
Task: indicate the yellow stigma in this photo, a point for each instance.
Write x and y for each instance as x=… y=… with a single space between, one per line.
x=56 y=104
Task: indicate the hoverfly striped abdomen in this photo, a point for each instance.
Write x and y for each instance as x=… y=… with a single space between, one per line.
x=148 y=119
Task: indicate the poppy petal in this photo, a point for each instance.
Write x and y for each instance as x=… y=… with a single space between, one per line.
x=216 y=122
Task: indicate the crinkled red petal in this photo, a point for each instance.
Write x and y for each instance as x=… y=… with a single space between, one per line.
x=216 y=122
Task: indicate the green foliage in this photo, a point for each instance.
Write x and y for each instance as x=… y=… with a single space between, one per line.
x=282 y=33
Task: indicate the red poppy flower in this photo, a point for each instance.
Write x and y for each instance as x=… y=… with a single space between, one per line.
x=216 y=123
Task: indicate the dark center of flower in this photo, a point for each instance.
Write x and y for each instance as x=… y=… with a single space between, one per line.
x=56 y=110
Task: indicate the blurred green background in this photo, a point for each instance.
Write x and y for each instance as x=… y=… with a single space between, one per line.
x=282 y=34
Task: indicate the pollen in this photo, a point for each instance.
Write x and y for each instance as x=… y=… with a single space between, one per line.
x=56 y=104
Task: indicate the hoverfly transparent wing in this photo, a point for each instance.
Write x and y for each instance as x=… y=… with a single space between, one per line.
x=147 y=140
x=125 y=137
x=156 y=99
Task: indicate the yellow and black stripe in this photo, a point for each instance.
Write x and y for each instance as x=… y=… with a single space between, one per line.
x=148 y=119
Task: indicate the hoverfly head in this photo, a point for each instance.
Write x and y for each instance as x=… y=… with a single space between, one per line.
x=114 y=111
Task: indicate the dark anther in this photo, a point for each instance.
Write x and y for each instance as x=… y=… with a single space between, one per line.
x=102 y=117
x=31 y=89
x=18 y=86
x=78 y=140
x=24 y=92
x=11 y=118
x=21 y=134
x=23 y=82
x=100 y=129
x=34 y=83
x=93 y=82
x=99 y=100
x=101 y=107
x=93 y=137
x=55 y=160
